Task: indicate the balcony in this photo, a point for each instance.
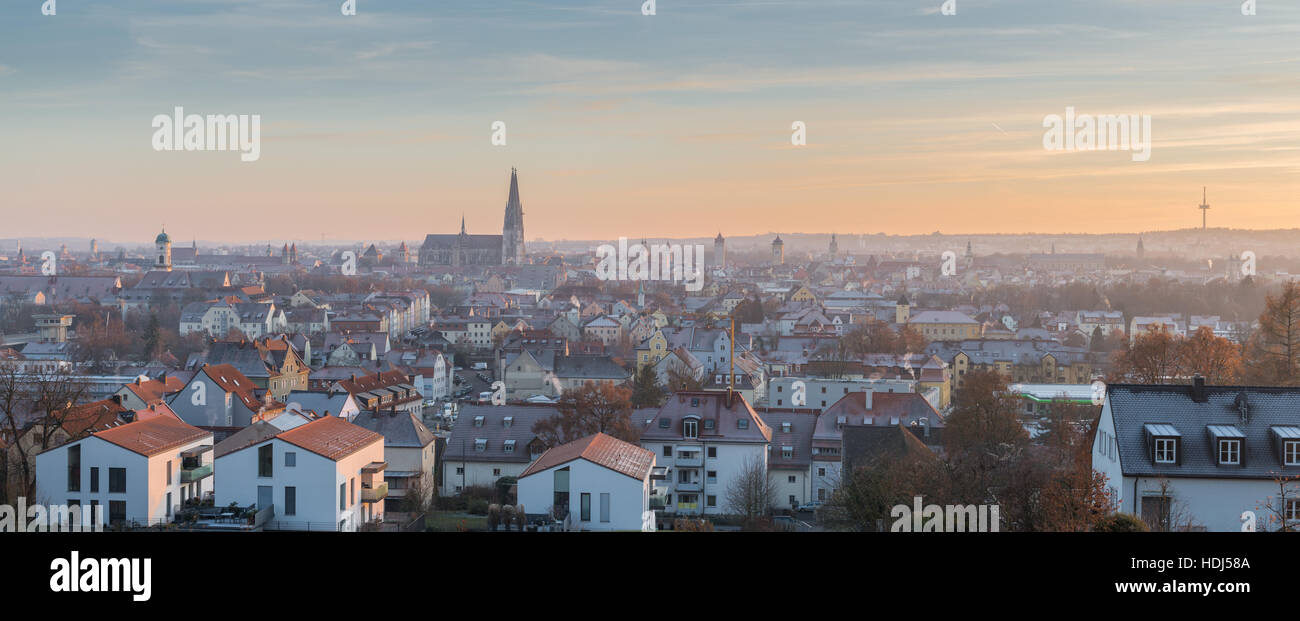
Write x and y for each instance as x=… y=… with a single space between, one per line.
x=374 y=493
x=190 y=475
x=693 y=486
x=688 y=460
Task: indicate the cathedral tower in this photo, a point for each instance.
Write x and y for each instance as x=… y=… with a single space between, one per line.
x=512 y=233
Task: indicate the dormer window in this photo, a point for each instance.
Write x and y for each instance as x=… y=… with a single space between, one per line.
x=478 y=421
x=708 y=424
x=691 y=428
x=785 y=427
x=787 y=452
x=509 y=446
x=480 y=444
x=1227 y=443
x=1162 y=442
x=1291 y=452
x=508 y=421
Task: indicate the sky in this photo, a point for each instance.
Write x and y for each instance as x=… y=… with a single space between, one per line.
x=379 y=125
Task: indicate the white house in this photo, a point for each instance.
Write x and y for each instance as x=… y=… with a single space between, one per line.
x=595 y=483
x=490 y=442
x=706 y=440
x=1201 y=457
x=324 y=475
x=142 y=471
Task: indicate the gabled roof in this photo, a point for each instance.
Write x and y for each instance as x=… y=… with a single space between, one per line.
x=600 y=449
x=400 y=429
x=1143 y=411
x=153 y=436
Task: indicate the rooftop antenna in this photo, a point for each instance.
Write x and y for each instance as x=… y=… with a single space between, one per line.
x=1204 y=207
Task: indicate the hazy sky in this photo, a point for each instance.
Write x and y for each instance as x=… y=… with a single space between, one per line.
x=378 y=126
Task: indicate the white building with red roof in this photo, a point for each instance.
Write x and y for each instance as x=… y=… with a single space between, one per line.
x=325 y=475
x=594 y=483
x=140 y=472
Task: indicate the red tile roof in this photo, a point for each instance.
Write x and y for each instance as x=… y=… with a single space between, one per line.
x=151 y=391
x=331 y=437
x=600 y=449
x=153 y=436
x=89 y=417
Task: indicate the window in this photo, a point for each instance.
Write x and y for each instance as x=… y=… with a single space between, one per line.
x=785 y=427
x=708 y=424
x=169 y=473
x=352 y=498
x=790 y=479
x=460 y=469
x=480 y=444
x=290 y=459
x=117 y=481
x=665 y=422
x=343 y=495
x=291 y=501
x=604 y=506
x=509 y=446
x=496 y=472
x=116 y=508
x=1291 y=452
x=821 y=472
x=264 y=465
x=787 y=452
x=712 y=475
x=586 y=507
x=1229 y=452
x=74 y=468
x=691 y=428
x=742 y=423
x=712 y=452
x=711 y=500
x=668 y=450
x=1166 y=450
x=94 y=480
x=1293 y=509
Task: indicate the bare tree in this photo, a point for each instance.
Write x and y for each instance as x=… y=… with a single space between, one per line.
x=1277 y=508
x=750 y=494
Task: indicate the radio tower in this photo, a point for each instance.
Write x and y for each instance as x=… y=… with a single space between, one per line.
x=1204 y=206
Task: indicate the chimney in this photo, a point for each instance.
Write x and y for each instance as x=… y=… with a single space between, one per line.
x=1198 y=389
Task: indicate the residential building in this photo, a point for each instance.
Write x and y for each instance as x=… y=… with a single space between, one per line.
x=594 y=483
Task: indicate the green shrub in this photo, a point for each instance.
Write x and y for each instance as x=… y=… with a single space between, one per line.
x=1121 y=523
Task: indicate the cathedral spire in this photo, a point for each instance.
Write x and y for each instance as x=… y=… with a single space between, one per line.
x=512 y=233
x=462 y=224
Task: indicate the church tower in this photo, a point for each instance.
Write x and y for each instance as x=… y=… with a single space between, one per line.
x=512 y=233
x=834 y=248
x=720 y=251
x=778 y=251
x=164 y=245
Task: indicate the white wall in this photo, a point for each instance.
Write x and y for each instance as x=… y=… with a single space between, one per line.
x=629 y=497
x=315 y=478
x=146 y=478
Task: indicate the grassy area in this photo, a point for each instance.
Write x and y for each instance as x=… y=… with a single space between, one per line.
x=454 y=521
